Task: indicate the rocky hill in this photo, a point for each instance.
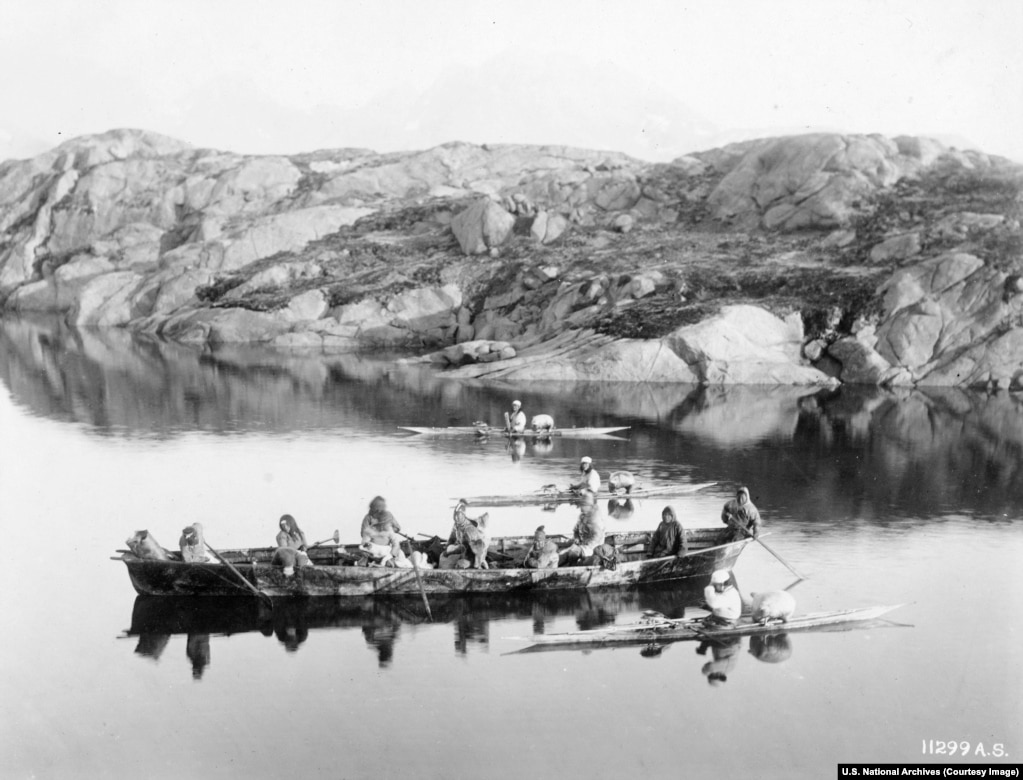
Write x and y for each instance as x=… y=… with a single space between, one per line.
x=798 y=260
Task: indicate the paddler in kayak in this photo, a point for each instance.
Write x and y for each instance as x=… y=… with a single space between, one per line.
x=590 y=479
x=742 y=515
x=723 y=600
x=516 y=421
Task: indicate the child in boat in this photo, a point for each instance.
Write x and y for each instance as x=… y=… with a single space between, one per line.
x=607 y=555
x=669 y=538
x=542 y=554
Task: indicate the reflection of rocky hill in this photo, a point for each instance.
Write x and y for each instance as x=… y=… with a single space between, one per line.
x=779 y=261
x=834 y=453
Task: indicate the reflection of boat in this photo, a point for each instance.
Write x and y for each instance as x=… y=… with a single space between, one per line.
x=487 y=430
x=155 y=619
x=552 y=495
x=169 y=615
x=659 y=628
x=335 y=575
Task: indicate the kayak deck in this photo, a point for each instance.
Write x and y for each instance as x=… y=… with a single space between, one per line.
x=657 y=629
x=543 y=497
x=484 y=431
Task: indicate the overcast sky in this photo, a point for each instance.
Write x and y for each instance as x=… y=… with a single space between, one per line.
x=654 y=79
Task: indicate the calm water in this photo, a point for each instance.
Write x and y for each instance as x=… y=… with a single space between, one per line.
x=881 y=498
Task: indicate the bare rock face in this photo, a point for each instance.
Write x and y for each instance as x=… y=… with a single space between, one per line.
x=133 y=229
x=482 y=226
x=808 y=181
x=943 y=318
x=106 y=299
x=898 y=247
x=860 y=363
x=548 y=227
x=745 y=345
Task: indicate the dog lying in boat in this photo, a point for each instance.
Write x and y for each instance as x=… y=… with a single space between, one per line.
x=471 y=534
x=146 y=547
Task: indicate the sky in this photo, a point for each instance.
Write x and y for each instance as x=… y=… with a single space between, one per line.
x=653 y=79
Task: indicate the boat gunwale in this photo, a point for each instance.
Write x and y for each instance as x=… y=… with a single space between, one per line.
x=334 y=579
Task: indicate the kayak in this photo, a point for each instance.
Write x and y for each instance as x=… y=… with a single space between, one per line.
x=547 y=496
x=658 y=628
x=484 y=431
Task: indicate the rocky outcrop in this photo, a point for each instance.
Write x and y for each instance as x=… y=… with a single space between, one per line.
x=745 y=345
x=742 y=345
x=482 y=226
x=715 y=268
x=810 y=181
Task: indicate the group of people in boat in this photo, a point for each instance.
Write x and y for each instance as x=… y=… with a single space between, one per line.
x=468 y=542
x=467 y=546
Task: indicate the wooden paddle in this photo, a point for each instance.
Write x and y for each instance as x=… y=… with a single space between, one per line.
x=763 y=544
x=336 y=539
x=419 y=576
x=238 y=574
x=422 y=589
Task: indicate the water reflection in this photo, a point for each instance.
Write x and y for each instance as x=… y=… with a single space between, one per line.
x=822 y=456
x=382 y=622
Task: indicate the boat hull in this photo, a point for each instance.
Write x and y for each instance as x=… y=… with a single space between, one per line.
x=710 y=550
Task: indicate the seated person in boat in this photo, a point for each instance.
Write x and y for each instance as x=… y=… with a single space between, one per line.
x=669 y=538
x=723 y=600
x=742 y=515
x=516 y=421
x=290 y=534
x=145 y=546
x=590 y=479
x=542 y=554
x=587 y=534
x=193 y=546
x=607 y=555
x=379 y=524
x=470 y=533
x=289 y=559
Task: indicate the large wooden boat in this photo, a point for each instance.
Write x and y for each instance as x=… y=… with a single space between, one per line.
x=552 y=495
x=334 y=574
x=483 y=431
